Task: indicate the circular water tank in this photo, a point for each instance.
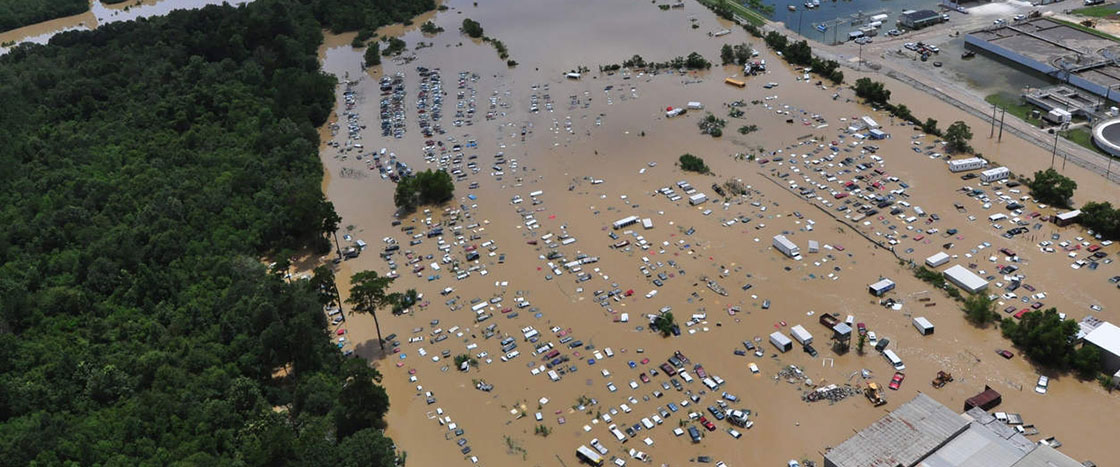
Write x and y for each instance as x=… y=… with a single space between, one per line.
x=1106 y=135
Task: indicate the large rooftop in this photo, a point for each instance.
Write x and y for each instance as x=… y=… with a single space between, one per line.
x=902 y=437
x=1107 y=337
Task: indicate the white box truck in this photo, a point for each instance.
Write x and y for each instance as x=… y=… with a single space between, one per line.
x=923 y=326
x=781 y=341
x=798 y=332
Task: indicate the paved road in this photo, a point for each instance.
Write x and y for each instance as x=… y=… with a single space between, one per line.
x=881 y=57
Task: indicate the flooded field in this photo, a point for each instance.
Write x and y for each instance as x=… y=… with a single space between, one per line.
x=546 y=164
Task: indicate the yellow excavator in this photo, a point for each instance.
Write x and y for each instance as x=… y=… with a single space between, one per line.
x=874 y=393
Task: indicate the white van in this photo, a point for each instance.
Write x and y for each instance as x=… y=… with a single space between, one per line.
x=893 y=359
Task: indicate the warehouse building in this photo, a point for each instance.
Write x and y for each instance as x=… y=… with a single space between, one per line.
x=920 y=19
x=924 y=433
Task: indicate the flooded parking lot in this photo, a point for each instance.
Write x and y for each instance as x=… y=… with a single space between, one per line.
x=525 y=273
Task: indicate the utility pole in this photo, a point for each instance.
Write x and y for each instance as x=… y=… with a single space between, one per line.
x=1001 y=115
x=860 y=63
x=1055 y=151
x=993 y=131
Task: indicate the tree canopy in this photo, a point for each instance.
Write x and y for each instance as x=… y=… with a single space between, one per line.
x=691 y=163
x=472 y=28
x=1051 y=187
x=148 y=166
x=664 y=323
x=874 y=91
x=1047 y=339
x=427 y=187
x=957 y=137
x=1101 y=218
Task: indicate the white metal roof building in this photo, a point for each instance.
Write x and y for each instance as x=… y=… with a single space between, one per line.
x=965 y=279
x=902 y=437
x=938 y=259
x=925 y=433
x=1107 y=337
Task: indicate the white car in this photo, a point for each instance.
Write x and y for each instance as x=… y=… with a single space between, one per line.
x=611 y=388
x=1043 y=383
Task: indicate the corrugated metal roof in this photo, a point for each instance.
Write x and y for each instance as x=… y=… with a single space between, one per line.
x=1046 y=456
x=902 y=437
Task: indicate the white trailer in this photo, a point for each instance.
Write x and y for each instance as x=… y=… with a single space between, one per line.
x=869 y=122
x=647 y=223
x=781 y=341
x=785 y=246
x=625 y=222
x=798 y=332
x=996 y=174
x=695 y=106
x=923 y=326
x=938 y=259
x=971 y=163
x=698 y=198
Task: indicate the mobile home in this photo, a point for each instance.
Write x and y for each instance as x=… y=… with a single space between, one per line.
x=698 y=198
x=785 y=246
x=971 y=163
x=625 y=222
x=996 y=174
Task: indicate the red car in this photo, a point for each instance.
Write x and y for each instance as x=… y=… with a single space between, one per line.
x=862 y=328
x=707 y=423
x=896 y=382
x=1005 y=354
x=644 y=377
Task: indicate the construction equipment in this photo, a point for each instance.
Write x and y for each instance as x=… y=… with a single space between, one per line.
x=874 y=393
x=941 y=379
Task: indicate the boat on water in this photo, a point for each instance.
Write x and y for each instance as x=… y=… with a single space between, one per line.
x=792 y=7
x=822 y=28
x=716 y=288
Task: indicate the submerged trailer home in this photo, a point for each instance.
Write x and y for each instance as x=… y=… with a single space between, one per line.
x=698 y=198
x=625 y=222
x=785 y=246
x=965 y=279
x=996 y=174
x=971 y=163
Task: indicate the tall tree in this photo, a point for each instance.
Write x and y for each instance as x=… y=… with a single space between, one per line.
x=1051 y=187
x=331 y=222
x=957 y=137
x=368 y=292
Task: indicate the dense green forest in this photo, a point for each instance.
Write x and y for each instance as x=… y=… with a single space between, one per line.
x=19 y=13
x=146 y=168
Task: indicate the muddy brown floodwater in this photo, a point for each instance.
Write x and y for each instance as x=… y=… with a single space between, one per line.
x=600 y=154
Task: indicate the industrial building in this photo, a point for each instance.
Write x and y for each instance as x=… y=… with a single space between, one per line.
x=922 y=432
x=1106 y=337
x=920 y=19
x=965 y=279
x=1077 y=58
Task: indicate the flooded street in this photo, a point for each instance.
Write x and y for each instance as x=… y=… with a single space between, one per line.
x=578 y=155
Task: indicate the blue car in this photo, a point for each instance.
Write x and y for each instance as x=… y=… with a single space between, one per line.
x=673 y=407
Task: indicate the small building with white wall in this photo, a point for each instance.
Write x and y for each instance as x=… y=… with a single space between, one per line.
x=1107 y=338
x=938 y=259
